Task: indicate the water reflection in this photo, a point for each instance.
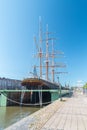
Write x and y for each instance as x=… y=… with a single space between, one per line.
x=10 y=115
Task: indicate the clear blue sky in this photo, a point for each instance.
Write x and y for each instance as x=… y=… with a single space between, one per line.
x=19 y=23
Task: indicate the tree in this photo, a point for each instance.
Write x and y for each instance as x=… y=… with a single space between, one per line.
x=85 y=86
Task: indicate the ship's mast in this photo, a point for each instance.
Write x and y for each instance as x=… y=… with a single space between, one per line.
x=47 y=54
x=52 y=55
x=52 y=62
x=40 y=47
x=58 y=65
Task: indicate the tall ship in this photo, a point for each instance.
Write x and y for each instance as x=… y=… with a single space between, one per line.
x=45 y=82
x=41 y=88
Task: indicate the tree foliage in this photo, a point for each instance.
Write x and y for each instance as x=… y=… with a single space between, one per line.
x=85 y=86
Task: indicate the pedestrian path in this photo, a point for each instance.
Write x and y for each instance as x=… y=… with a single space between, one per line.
x=71 y=116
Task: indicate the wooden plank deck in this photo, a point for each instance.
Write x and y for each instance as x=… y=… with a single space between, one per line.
x=71 y=116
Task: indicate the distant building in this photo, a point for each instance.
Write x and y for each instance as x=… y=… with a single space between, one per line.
x=6 y=83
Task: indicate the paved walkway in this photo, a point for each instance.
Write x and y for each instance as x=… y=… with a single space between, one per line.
x=65 y=115
x=71 y=116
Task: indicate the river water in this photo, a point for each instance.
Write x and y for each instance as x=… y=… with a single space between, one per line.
x=10 y=115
